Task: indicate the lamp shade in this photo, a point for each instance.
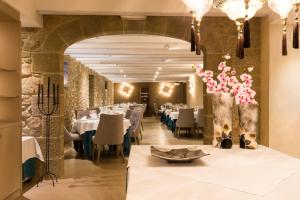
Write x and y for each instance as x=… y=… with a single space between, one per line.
x=236 y=9
x=281 y=7
x=199 y=6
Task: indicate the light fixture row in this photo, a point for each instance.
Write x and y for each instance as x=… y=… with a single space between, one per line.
x=241 y=11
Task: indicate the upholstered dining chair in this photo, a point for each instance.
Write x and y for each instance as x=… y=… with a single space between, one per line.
x=128 y=113
x=95 y=108
x=82 y=113
x=135 y=120
x=185 y=121
x=74 y=138
x=199 y=125
x=110 y=131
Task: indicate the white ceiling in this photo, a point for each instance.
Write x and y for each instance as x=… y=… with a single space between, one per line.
x=138 y=56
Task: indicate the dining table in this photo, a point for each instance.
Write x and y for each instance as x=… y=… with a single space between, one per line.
x=87 y=129
x=31 y=151
x=236 y=174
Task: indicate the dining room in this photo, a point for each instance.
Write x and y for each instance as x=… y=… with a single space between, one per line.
x=173 y=99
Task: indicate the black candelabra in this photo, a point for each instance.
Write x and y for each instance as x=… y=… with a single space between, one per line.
x=47 y=109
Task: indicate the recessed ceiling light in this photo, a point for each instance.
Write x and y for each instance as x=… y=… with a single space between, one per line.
x=157 y=72
x=121 y=70
x=159 y=68
x=155 y=76
x=124 y=76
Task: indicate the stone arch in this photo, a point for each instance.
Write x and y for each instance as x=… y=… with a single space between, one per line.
x=43 y=49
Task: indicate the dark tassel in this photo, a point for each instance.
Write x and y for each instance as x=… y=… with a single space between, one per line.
x=296 y=34
x=193 y=45
x=284 y=44
x=198 y=44
x=246 y=34
x=240 y=48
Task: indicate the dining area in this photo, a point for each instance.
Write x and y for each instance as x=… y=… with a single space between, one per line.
x=109 y=126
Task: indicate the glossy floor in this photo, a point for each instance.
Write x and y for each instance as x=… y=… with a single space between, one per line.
x=86 y=180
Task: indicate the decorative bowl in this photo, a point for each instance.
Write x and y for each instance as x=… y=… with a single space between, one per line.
x=178 y=155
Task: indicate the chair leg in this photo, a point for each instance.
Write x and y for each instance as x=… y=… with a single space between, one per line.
x=137 y=140
x=99 y=152
x=141 y=135
x=142 y=125
x=178 y=133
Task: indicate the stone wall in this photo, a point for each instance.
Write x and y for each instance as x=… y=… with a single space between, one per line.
x=81 y=90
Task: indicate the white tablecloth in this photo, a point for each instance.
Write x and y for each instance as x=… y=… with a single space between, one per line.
x=168 y=112
x=174 y=115
x=30 y=149
x=81 y=126
x=238 y=174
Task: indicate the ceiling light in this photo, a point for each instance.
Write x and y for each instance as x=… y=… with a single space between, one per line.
x=241 y=11
x=121 y=71
x=124 y=75
x=282 y=8
x=157 y=73
x=155 y=76
x=159 y=68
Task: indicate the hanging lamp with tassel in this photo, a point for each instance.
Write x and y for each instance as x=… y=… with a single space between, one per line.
x=246 y=31
x=193 y=43
x=240 y=43
x=198 y=39
x=284 y=40
x=296 y=27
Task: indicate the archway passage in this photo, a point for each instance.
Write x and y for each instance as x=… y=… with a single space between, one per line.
x=43 y=56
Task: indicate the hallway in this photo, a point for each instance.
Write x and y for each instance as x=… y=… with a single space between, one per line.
x=86 y=180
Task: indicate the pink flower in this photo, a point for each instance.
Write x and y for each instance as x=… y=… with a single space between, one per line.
x=221 y=66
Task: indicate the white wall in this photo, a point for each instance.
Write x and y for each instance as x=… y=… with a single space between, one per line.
x=284 y=94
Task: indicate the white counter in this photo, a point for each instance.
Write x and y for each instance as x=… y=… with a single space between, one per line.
x=235 y=174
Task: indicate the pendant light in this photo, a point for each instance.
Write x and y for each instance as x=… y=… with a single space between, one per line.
x=282 y=8
x=199 y=8
x=241 y=11
x=296 y=4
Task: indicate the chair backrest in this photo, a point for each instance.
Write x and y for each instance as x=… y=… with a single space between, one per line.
x=82 y=113
x=135 y=120
x=67 y=136
x=95 y=108
x=185 y=118
x=110 y=130
x=200 y=118
x=128 y=113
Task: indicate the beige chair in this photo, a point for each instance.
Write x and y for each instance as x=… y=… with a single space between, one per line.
x=74 y=138
x=82 y=113
x=95 y=108
x=185 y=121
x=110 y=132
x=135 y=120
x=199 y=125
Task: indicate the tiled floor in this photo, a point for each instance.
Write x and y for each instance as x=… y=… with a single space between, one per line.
x=86 y=180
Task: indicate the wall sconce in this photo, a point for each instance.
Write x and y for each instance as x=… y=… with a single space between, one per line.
x=126 y=89
x=166 y=89
x=191 y=84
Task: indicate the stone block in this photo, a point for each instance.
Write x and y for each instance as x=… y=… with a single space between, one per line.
x=177 y=26
x=91 y=26
x=47 y=63
x=134 y=26
x=54 y=43
x=111 y=25
x=70 y=32
x=56 y=126
x=26 y=70
x=30 y=85
x=34 y=123
x=156 y=25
